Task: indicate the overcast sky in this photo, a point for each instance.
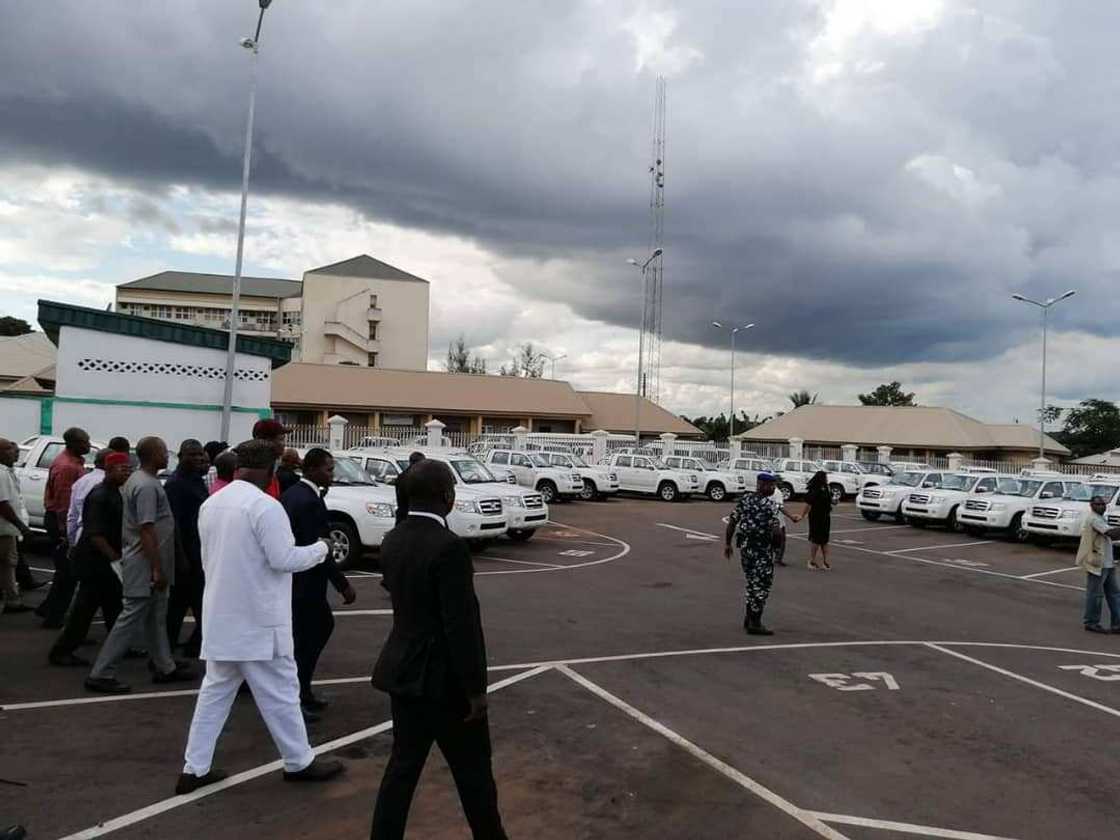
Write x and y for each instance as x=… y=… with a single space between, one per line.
x=867 y=180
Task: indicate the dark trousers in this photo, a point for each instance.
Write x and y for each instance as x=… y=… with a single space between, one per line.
x=23 y=571
x=99 y=589
x=185 y=595
x=312 y=625
x=53 y=609
x=465 y=746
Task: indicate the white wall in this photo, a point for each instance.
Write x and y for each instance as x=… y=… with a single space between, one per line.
x=172 y=424
x=19 y=418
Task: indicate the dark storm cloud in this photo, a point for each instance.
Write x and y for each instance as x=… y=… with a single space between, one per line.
x=871 y=197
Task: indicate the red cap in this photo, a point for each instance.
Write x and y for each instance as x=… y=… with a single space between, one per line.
x=114 y=458
x=269 y=429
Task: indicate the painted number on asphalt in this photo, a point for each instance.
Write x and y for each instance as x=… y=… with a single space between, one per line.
x=575 y=552
x=1104 y=673
x=849 y=682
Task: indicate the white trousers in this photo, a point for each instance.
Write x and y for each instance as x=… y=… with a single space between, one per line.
x=275 y=687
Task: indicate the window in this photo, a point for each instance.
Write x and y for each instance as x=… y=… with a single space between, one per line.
x=623 y=461
x=560 y=460
x=292 y=319
x=373 y=331
x=373 y=301
x=1052 y=490
x=372 y=360
x=182 y=313
x=519 y=460
x=849 y=468
x=986 y=485
x=50 y=452
x=641 y=463
x=500 y=458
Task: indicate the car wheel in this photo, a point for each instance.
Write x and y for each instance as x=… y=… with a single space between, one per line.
x=548 y=490
x=900 y=517
x=521 y=534
x=589 y=491
x=837 y=493
x=786 y=490
x=1018 y=532
x=914 y=522
x=346 y=545
x=870 y=515
x=667 y=491
x=716 y=492
x=952 y=523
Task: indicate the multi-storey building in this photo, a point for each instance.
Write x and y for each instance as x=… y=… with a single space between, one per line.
x=360 y=311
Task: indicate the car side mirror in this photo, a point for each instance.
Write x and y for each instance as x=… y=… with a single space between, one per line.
x=928 y=484
x=1046 y=495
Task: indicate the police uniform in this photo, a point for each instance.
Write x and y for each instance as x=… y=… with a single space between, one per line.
x=755 y=518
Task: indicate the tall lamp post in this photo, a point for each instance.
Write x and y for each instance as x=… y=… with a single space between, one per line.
x=251 y=44
x=733 y=331
x=642 y=266
x=1045 y=307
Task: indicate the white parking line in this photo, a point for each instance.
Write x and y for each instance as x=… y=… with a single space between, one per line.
x=872 y=528
x=521 y=562
x=173 y=802
x=806 y=818
x=938 y=547
x=905 y=828
x=687 y=530
x=1052 y=572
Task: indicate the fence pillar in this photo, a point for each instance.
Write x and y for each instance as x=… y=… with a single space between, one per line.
x=435 y=433
x=956 y=461
x=337 y=426
x=1042 y=464
x=735 y=447
x=796 y=447
x=667 y=441
x=520 y=438
x=884 y=454
x=849 y=452
x=599 y=446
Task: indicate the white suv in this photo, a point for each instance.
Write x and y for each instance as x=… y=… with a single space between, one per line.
x=1061 y=519
x=795 y=475
x=1004 y=511
x=878 y=500
x=598 y=482
x=748 y=467
x=360 y=511
x=641 y=474
x=853 y=475
x=479 y=513
x=532 y=469
x=716 y=484
x=942 y=506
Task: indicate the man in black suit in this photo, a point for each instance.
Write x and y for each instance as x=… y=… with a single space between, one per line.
x=402 y=495
x=433 y=665
x=312 y=621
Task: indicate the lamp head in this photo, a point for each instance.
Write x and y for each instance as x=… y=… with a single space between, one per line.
x=248 y=43
x=632 y=261
x=1019 y=297
x=717 y=324
x=657 y=253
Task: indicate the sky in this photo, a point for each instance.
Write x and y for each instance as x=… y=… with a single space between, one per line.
x=868 y=181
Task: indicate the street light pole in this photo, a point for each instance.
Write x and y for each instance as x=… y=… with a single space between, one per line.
x=641 y=346
x=1045 y=307
x=734 y=332
x=251 y=44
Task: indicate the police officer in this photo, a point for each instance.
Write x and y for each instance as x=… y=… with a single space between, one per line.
x=756 y=528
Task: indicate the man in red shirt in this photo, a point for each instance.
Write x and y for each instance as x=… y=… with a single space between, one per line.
x=66 y=469
x=274 y=432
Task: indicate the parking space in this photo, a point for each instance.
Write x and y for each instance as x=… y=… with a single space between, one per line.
x=905 y=694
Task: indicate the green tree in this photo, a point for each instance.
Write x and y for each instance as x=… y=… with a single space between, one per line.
x=718 y=428
x=460 y=359
x=13 y=326
x=891 y=394
x=1091 y=427
x=1051 y=414
x=527 y=363
x=802 y=397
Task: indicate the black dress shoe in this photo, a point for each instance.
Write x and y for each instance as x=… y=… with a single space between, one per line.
x=13 y=832
x=315 y=704
x=309 y=715
x=31 y=585
x=68 y=660
x=189 y=784
x=316 y=771
x=107 y=685
x=1094 y=628
x=136 y=653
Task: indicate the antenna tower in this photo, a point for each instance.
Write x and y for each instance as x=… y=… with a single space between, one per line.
x=655 y=276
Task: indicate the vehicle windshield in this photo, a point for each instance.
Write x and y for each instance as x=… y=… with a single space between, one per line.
x=471 y=471
x=910 y=479
x=694 y=464
x=402 y=464
x=658 y=464
x=576 y=461
x=1084 y=492
x=540 y=461
x=348 y=473
x=1017 y=487
x=959 y=482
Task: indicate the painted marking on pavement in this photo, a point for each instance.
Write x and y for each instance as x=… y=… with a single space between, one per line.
x=173 y=802
x=574 y=552
x=871 y=528
x=522 y=562
x=1053 y=572
x=905 y=828
x=687 y=531
x=806 y=818
x=850 y=542
x=700 y=537
x=938 y=547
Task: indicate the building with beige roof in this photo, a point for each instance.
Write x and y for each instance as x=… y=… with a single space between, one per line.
x=25 y=355
x=917 y=431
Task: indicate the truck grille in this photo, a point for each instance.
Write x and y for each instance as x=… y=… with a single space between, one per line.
x=919 y=499
x=533 y=502
x=977 y=504
x=490 y=507
x=1044 y=513
x=872 y=493
x=1114 y=521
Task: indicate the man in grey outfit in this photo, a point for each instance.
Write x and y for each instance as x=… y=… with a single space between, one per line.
x=148 y=569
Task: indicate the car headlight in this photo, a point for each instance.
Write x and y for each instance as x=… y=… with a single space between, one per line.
x=936 y=500
x=1070 y=514
x=998 y=507
x=513 y=501
x=382 y=510
x=511 y=479
x=466 y=506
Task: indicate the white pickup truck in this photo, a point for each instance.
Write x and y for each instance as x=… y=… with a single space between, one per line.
x=796 y=472
x=598 y=482
x=36 y=454
x=1061 y=519
x=943 y=505
x=716 y=484
x=532 y=469
x=1005 y=509
x=853 y=474
x=649 y=476
x=879 y=500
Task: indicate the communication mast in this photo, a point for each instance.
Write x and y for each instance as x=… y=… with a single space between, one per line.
x=653 y=316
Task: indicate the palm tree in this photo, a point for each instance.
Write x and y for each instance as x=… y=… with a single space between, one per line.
x=800 y=398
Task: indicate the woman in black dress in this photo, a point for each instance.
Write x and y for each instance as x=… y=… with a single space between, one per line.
x=818 y=501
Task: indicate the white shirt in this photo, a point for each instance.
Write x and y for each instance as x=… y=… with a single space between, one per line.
x=78 y=493
x=427 y=515
x=248 y=556
x=10 y=493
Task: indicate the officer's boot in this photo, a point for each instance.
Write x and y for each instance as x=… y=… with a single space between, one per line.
x=755 y=627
